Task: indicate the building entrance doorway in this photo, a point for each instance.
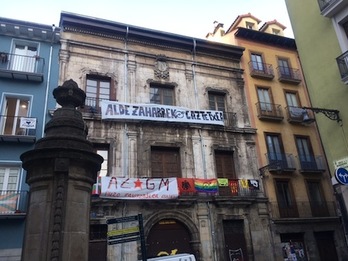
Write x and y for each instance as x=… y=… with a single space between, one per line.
x=168 y=237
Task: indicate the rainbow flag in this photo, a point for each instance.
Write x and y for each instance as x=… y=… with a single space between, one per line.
x=8 y=202
x=206 y=185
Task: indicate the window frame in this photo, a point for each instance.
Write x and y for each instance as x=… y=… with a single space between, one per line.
x=294 y=94
x=216 y=96
x=105 y=166
x=306 y=158
x=14 y=117
x=161 y=89
x=275 y=157
x=285 y=71
x=319 y=208
x=257 y=65
x=165 y=153
x=249 y=25
x=5 y=182
x=287 y=207
x=265 y=106
x=24 y=62
x=223 y=156
x=99 y=96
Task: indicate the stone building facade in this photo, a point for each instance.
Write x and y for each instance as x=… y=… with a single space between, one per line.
x=132 y=67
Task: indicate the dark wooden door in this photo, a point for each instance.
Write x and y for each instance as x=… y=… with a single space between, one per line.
x=168 y=237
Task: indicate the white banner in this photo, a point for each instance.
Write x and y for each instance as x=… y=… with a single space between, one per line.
x=139 y=188
x=27 y=123
x=157 y=112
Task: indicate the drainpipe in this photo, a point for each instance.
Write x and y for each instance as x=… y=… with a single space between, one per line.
x=125 y=93
x=197 y=105
x=125 y=131
x=211 y=222
x=48 y=82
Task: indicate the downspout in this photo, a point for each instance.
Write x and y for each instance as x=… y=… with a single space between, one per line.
x=197 y=105
x=125 y=131
x=48 y=82
x=125 y=93
x=211 y=223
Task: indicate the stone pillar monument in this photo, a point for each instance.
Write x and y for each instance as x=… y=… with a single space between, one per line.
x=61 y=170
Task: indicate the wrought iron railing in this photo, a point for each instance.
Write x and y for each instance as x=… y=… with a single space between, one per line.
x=304 y=209
x=289 y=74
x=269 y=111
x=18 y=125
x=323 y=4
x=281 y=161
x=13 y=202
x=22 y=63
x=259 y=69
x=310 y=163
x=342 y=62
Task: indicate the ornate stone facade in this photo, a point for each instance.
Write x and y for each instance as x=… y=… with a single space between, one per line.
x=142 y=66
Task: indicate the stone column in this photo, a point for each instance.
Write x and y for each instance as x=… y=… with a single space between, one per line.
x=61 y=170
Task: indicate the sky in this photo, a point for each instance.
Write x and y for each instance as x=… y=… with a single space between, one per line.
x=194 y=18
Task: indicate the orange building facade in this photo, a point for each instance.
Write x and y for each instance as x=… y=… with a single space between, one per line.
x=302 y=206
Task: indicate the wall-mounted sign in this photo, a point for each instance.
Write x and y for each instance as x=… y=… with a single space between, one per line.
x=156 y=112
x=27 y=123
x=341 y=163
x=341 y=175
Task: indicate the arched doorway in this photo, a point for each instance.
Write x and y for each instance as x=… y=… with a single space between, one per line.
x=168 y=237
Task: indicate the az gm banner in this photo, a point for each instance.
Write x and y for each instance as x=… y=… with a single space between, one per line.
x=156 y=112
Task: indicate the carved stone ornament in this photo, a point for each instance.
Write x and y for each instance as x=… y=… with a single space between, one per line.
x=161 y=67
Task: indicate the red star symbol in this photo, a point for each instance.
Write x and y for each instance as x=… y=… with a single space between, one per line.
x=138 y=184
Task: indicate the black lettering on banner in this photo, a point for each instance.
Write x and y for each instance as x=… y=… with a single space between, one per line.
x=126 y=109
x=154 y=111
x=135 y=111
x=141 y=111
x=109 y=110
x=148 y=112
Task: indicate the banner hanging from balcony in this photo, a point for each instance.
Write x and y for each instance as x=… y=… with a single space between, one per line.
x=139 y=188
x=8 y=202
x=155 y=112
x=171 y=188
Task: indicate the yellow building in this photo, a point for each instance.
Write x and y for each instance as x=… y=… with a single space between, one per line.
x=296 y=180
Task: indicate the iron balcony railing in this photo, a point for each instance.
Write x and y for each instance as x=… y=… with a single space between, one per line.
x=13 y=202
x=311 y=163
x=269 y=111
x=342 y=62
x=21 y=63
x=281 y=162
x=289 y=75
x=92 y=109
x=17 y=125
x=303 y=209
x=261 y=70
x=323 y=4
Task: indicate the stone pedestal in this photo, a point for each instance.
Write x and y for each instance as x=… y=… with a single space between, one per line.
x=61 y=170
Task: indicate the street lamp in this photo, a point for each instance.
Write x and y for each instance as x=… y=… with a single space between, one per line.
x=331 y=114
